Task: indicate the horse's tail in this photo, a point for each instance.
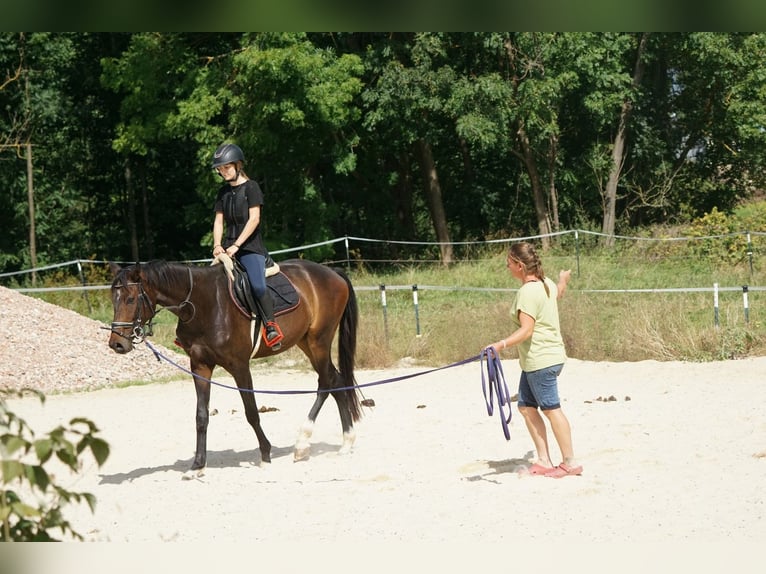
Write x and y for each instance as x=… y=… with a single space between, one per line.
x=349 y=322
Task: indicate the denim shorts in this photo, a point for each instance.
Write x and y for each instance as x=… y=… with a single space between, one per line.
x=540 y=389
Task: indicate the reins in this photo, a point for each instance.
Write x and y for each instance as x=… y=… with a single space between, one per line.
x=492 y=382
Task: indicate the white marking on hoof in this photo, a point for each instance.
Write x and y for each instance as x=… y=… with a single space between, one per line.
x=348 y=442
x=193 y=474
x=301 y=454
x=304 y=436
x=302 y=443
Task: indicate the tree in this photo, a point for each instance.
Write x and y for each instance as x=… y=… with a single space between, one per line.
x=452 y=136
x=36 y=109
x=13 y=127
x=406 y=106
x=294 y=107
x=152 y=75
x=618 y=146
x=672 y=108
x=716 y=116
x=291 y=107
x=512 y=105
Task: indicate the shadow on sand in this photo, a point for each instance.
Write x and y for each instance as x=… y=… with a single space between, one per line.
x=505 y=466
x=216 y=459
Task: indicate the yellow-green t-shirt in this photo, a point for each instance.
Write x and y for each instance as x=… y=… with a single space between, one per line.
x=545 y=347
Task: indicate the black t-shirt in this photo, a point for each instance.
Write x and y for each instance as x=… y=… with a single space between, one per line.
x=235 y=202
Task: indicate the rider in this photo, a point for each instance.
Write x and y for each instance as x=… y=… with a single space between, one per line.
x=238 y=208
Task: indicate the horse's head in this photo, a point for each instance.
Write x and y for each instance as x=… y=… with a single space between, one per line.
x=133 y=308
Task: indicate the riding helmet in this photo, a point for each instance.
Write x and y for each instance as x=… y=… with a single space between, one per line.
x=227 y=153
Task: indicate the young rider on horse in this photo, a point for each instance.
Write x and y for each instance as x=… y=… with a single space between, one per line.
x=238 y=210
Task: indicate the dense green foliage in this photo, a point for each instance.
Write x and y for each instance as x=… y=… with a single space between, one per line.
x=443 y=137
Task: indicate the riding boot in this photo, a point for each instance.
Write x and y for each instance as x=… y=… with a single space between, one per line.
x=272 y=333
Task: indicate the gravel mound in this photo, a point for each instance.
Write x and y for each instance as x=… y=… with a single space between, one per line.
x=53 y=349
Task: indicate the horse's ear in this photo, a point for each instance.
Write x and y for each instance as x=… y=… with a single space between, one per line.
x=114 y=268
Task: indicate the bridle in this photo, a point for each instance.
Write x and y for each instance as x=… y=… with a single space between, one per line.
x=186 y=301
x=139 y=327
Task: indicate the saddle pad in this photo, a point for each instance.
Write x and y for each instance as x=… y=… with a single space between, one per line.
x=283 y=293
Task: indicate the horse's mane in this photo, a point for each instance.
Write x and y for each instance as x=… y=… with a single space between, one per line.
x=166 y=273
x=120 y=279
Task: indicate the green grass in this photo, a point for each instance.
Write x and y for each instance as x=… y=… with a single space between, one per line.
x=458 y=313
x=596 y=325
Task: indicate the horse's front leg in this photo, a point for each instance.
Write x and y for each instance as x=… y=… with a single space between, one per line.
x=202 y=387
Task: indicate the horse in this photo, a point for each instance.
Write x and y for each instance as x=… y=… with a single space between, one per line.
x=214 y=331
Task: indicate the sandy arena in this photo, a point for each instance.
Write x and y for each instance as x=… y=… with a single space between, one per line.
x=673 y=453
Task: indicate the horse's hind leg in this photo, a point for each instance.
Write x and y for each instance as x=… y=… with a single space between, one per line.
x=347 y=423
x=303 y=443
x=326 y=382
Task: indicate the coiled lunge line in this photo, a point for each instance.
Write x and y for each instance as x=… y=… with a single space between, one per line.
x=495 y=380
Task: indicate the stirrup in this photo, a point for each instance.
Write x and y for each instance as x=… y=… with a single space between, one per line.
x=272 y=335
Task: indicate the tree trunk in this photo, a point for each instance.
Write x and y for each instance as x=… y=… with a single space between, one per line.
x=526 y=155
x=402 y=194
x=433 y=192
x=148 y=228
x=618 y=150
x=403 y=224
x=468 y=172
x=131 y=212
x=553 y=198
x=31 y=202
x=538 y=191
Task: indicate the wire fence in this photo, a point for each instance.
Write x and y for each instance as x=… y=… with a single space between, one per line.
x=354 y=252
x=351 y=250
x=677 y=288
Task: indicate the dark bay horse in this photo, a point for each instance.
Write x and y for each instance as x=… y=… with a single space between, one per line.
x=214 y=332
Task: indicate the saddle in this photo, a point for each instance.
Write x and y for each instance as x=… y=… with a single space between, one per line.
x=279 y=287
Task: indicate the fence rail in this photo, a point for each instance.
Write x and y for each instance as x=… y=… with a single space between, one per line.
x=352 y=258
x=347 y=241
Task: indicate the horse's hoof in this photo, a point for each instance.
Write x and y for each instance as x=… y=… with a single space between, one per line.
x=192 y=474
x=349 y=437
x=301 y=454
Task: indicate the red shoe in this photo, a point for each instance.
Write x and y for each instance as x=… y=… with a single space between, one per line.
x=540 y=470
x=563 y=470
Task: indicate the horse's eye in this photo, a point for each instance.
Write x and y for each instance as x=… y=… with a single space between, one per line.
x=131 y=300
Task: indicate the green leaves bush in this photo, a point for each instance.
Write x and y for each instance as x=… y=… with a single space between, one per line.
x=33 y=510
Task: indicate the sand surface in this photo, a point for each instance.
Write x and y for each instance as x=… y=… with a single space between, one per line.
x=678 y=455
